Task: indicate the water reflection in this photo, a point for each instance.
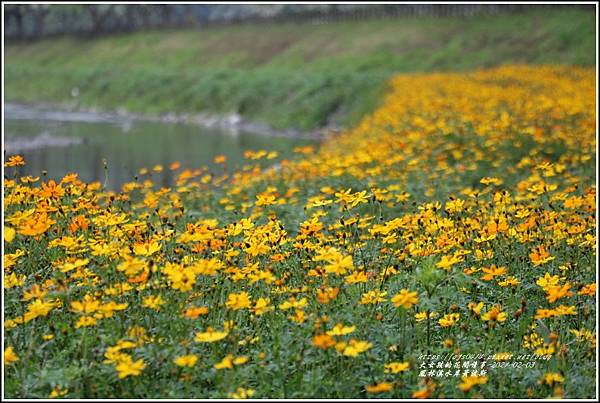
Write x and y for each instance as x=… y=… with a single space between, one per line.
x=60 y=146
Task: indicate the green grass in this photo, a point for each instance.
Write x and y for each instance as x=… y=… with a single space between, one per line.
x=287 y=75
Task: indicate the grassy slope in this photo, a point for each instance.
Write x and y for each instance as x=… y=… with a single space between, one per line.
x=287 y=75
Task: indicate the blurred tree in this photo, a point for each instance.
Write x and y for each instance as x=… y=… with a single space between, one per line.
x=29 y=21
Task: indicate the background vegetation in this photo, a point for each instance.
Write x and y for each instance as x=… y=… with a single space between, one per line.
x=285 y=74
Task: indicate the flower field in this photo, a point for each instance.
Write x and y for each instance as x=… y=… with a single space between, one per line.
x=459 y=218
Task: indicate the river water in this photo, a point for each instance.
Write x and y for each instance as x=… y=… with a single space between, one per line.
x=62 y=142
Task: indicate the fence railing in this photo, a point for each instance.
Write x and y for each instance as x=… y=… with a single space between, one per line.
x=34 y=21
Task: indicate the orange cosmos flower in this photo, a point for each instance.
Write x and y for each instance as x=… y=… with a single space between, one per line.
x=15 y=160
x=36 y=226
x=492 y=272
x=52 y=190
x=557 y=292
x=540 y=256
x=323 y=341
x=380 y=387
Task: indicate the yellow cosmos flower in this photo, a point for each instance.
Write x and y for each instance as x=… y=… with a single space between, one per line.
x=545 y=350
x=550 y=378
x=475 y=307
x=10 y=259
x=299 y=316
x=396 y=367
x=494 y=315
x=373 y=297
x=293 y=303
x=547 y=281
x=10 y=356
x=491 y=181
x=262 y=306
x=265 y=200
x=153 y=302
x=449 y=319
x=339 y=264
x=86 y=321
x=421 y=316
x=146 y=249
x=344 y=196
x=210 y=336
x=356 y=277
x=58 y=392
x=107 y=310
x=13 y=280
x=38 y=308
x=238 y=301
x=68 y=266
x=241 y=393
x=509 y=281
x=240 y=360
x=468 y=382
x=405 y=299
x=225 y=363
x=127 y=367
x=114 y=355
x=181 y=278
x=353 y=348
x=229 y=361
x=131 y=266
x=447 y=261
x=88 y=305
x=186 y=360
x=9 y=234
x=340 y=330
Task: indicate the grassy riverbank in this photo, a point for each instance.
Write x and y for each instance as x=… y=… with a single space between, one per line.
x=286 y=75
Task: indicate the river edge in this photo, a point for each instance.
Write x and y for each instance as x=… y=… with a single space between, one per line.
x=231 y=123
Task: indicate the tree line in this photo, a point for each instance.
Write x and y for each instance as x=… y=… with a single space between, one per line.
x=33 y=21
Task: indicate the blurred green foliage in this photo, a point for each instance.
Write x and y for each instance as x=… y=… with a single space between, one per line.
x=287 y=75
